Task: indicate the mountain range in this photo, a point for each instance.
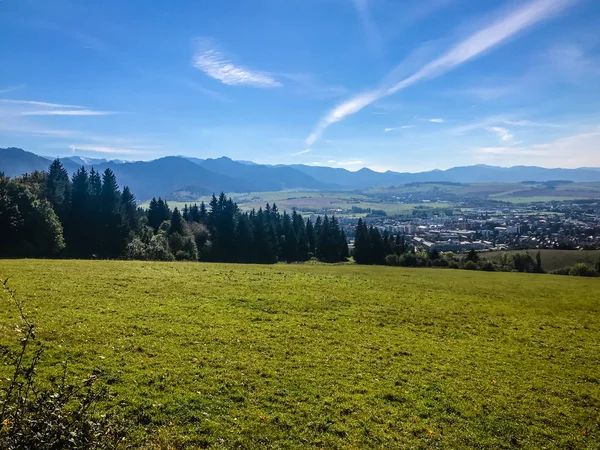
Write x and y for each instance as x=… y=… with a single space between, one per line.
x=186 y=178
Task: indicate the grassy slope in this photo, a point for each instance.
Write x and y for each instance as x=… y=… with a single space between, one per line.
x=292 y=356
x=556 y=259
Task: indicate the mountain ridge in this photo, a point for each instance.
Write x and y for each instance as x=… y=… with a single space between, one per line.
x=187 y=178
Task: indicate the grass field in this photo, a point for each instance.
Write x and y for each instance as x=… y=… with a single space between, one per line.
x=339 y=203
x=555 y=259
x=301 y=356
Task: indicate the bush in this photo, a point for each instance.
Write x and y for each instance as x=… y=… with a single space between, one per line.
x=486 y=265
x=470 y=265
x=391 y=260
x=583 y=270
x=561 y=271
x=408 y=260
x=61 y=416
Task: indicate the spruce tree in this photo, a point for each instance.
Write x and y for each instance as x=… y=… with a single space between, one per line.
x=113 y=243
x=58 y=190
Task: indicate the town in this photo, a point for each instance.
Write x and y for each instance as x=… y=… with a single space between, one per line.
x=552 y=225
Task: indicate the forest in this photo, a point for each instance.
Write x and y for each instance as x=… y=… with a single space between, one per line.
x=48 y=214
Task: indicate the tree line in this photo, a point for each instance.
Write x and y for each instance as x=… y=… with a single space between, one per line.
x=48 y=214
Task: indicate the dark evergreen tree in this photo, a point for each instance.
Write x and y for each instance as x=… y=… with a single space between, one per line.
x=79 y=228
x=113 y=243
x=129 y=214
x=58 y=190
x=176 y=222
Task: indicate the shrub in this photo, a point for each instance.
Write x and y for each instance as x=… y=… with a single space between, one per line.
x=408 y=260
x=470 y=265
x=561 y=271
x=486 y=265
x=583 y=270
x=391 y=260
x=61 y=416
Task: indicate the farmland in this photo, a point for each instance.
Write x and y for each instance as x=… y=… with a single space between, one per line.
x=306 y=356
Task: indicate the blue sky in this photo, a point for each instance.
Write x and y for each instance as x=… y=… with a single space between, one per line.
x=403 y=85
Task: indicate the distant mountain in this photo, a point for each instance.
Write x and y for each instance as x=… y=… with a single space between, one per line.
x=465 y=174
x=264 y=178
x=187 y=178
x=173 y=176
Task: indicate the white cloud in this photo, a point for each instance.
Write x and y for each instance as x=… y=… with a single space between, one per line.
x=36 y=103
x=437 y=120
x=66 y=112
x=579 y=150
x=216 y=65
x=471 y=47
x=403 y=127
x=303 y=152
x=12 y=88
x=37 y=108
x=502 y=133
x=489 y=123
x=106 y=149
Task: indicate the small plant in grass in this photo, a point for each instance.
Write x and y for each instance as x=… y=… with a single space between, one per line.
x=53 y=413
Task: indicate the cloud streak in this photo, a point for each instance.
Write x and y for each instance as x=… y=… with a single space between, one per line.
x=502 y=133
x=362 y=7
x=106 y=149
x=12 y=88
x=573 y=151
x=218 y=66
x=437 y=120
x=67 y=112
x=471 y=47
x=303 y=152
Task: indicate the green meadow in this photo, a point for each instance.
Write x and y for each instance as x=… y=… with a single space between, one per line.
x=317 y=356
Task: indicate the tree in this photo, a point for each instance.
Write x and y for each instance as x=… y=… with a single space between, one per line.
x=78 y=230
x=129 y=215
x=176 y=222
x=113 y=242
x=58 y=190
x=362 y=252
x=28 y=226
x=472 y=256
x=158 y=212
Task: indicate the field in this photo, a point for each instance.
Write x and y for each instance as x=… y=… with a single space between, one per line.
x=556 y=259
x=338 y=203
x=301 y=356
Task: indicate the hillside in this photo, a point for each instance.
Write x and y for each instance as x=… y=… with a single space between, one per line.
x=300 y=356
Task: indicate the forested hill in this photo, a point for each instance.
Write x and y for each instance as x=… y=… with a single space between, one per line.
x=185 y=178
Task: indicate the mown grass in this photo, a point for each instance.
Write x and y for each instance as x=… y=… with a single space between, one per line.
x=301 y=356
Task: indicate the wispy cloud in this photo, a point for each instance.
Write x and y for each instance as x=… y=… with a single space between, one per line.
x=306 y=84
x=437 y=120
x=579 y=150
x=217 y=65
x=303 y=152
x=502 y=133
x=471 y=47
x=489 y=123
x=36 y=103
x=67 y=112
x=403 y=127
x=37 y=108
x=11 y=88
x=362 y=7
x=106 y=149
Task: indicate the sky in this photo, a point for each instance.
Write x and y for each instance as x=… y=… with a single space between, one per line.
x=405 y=85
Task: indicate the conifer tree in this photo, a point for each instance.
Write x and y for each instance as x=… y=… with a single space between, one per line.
x=58 y=190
